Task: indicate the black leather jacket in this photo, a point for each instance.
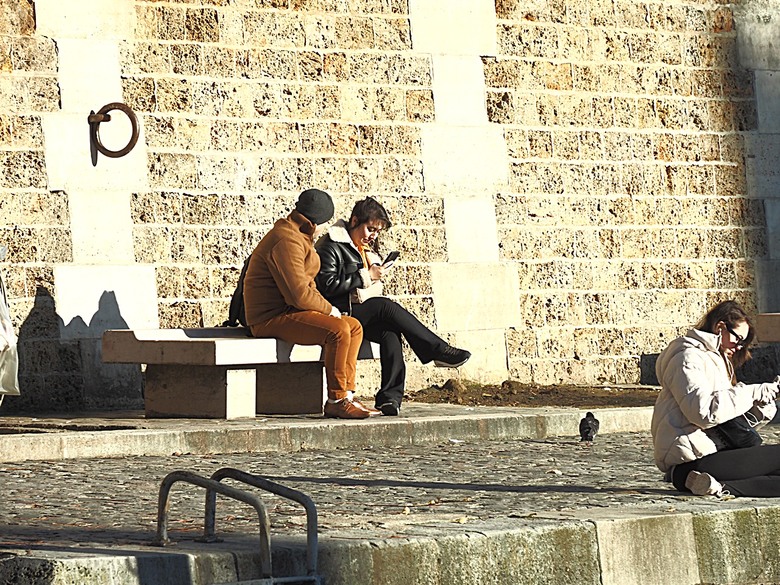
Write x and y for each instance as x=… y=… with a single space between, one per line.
x=340 y=265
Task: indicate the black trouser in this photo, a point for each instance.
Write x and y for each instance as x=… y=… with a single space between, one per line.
x=384 y=322
x=752 y=472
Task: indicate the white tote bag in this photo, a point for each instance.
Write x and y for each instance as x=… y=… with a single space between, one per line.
x=9 y=358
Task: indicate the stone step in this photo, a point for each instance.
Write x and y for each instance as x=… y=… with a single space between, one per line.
x=77 y=437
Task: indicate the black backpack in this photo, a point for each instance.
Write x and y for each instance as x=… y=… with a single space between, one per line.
x=237 y=314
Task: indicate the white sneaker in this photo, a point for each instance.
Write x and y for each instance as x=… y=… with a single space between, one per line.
x=703 y=484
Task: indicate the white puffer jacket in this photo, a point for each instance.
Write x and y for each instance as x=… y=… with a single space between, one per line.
x=697 y=393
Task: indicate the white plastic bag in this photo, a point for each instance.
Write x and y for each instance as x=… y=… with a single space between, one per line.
x=9 y=358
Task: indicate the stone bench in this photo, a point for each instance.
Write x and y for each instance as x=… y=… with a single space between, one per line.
x=221 y=372
x=768 y=327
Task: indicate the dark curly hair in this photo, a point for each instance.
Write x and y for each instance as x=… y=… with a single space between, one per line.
x=732 y=314
x=369 y=209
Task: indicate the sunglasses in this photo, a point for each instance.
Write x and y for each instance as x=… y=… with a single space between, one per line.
x=740 y=341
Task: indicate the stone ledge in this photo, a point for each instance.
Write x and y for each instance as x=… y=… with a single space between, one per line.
x=599 y=546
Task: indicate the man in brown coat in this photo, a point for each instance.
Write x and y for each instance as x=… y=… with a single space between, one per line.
x=281 y=300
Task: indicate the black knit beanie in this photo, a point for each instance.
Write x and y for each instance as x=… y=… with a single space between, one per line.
x=315 y=205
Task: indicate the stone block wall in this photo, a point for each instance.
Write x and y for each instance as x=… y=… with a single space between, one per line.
x=626 y=212
x=567 y=182
x=34 y=220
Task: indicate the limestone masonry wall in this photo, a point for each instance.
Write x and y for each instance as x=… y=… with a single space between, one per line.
x=567 y=181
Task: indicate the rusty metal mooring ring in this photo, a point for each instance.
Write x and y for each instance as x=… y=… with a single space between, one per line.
x=103 y=116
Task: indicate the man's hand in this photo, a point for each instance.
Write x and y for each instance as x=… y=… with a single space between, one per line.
x=334 y=312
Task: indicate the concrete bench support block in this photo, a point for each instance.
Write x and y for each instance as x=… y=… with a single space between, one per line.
x=297 y=388
x=199 y=392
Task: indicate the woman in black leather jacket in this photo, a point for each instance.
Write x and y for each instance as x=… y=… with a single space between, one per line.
x=350 y=278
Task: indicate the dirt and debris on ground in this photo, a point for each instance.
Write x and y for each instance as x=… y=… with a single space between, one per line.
x=510 y=393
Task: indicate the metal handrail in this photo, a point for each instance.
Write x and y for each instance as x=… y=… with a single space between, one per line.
x=275 y=488
x=213 y=487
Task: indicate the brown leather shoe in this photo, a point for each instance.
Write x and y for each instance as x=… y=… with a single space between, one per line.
x=345 y=409
x=371 y=411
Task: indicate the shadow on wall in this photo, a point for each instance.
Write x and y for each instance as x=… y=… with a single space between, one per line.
x=762 y=368
x=647 y=369
x=60 y=366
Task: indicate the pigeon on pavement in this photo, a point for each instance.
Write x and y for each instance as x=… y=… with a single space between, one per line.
x=589 y=426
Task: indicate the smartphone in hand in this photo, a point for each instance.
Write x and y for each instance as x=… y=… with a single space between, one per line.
x=390 y=258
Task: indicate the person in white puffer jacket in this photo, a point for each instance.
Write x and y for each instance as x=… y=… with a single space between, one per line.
x=699 y=391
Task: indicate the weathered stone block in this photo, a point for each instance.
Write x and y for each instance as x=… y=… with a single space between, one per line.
x=728 y=546
x=501 y=108
x=14 y=280
x=314 y=137
x=369 y=68
x=173 y=171
x=168 y=282
x=226 y=173
x=392 y=34
x=202 y=25
x=199 y=209
x=574 y=42
x=274 y=64
x=411 y=70
x=33 y=55
x=222 y=246
x=57 y=392
x=140 y=93
x=505 y=72
x=160 y=22
x=331 y=172
x=310 y=66
x=180 y=314
x=145 y=57
x=21 y=131
x=187 y=60
x=171 y=95
x=318 y=102
x=35 y=208
x=17 y=18
x=23 y=169
x=517 y=143
x=186 y=245
x=335 y=66
x=223 y=280
x=156 y=207
x=394 y=7
x=234 y=99
x=195 y=283
x=282 y=28
x=527 y=40
x=524 y=556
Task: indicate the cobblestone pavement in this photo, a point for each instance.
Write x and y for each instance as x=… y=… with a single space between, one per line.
x=369 y=493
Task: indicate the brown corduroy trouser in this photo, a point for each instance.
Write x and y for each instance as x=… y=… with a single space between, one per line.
x=341 y=338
